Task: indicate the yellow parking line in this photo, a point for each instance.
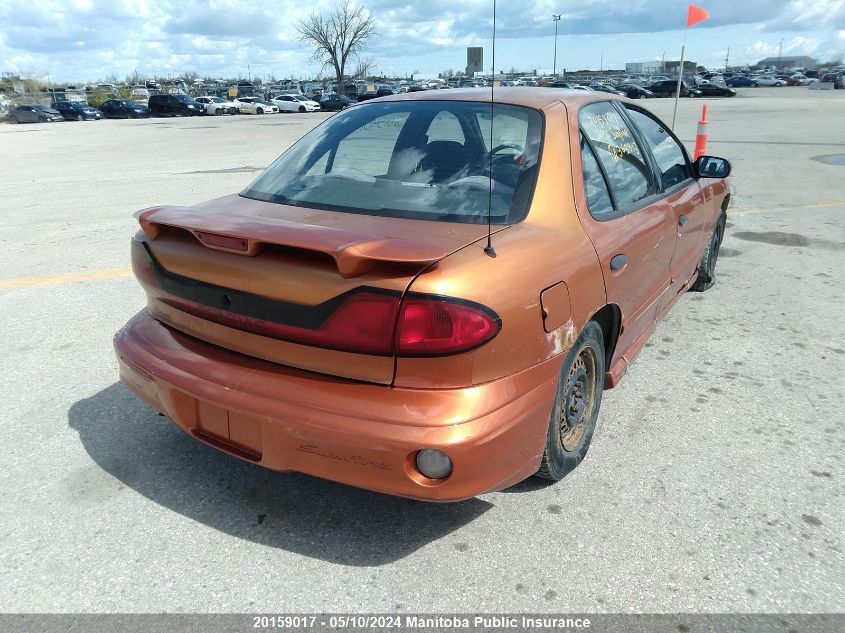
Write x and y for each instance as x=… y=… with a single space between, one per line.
x=817 y=205
x=65 y=278
x=826 y=203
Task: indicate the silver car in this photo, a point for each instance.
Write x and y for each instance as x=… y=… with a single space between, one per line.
x=35 y=113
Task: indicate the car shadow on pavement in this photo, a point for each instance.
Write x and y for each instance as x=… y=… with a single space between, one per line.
x=302 y=514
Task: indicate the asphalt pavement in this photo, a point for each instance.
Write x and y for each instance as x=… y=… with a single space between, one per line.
x=714 y=482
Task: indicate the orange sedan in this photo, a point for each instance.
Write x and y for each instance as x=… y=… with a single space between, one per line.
x=428 y=293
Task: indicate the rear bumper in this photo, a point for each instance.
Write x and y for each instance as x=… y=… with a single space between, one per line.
x=355 y=433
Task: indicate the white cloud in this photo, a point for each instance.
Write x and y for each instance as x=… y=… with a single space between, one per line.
x=220 y=37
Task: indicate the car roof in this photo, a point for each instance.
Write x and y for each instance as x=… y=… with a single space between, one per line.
x=538 y=98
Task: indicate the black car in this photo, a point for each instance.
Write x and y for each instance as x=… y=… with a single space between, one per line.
x=608 y=89
x=335 y=102
x=77 y=111
x=713 y=90
x=175 y=105
x=837 y=78
x=560 y=84
x=35 y=113
x=667 y=88
x=635 y=92
x=381 y=92
x=124 y=109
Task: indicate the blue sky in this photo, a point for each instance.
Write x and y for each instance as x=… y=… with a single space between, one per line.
x=83 y=40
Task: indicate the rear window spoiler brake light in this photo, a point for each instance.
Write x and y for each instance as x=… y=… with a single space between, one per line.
x=354 y=252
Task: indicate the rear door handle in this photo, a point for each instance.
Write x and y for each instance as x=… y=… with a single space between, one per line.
x=682 y=219
x=618 y=262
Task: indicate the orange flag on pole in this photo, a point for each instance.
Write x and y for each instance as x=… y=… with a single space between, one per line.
x=695 y=15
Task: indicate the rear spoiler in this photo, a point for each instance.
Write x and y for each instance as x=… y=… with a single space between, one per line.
x=354 y=252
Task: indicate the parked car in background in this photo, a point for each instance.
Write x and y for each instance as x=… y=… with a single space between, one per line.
x=255 y=105
x=633 y=91
x=668 y=87
x=741 y=81
x=797 y=80
x=329 y=319
x=76 y=111
x=608 y=89
x=334 y=102
x=295 y=103
x=217 y=105
x=175 y=105
x=384 y=91
x=836 y=78
x=708 y=89
x=139 y=93
x=109 y=89
x=769 y=81
x=124 y=109
x=35 y=113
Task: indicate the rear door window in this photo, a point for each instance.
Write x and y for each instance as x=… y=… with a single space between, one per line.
x=599 y=202
x=628 y=173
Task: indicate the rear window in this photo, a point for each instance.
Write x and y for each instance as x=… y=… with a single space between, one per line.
x=430 y=160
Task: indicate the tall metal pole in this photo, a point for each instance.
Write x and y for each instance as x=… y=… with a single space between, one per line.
x=555 y=19
x=680 y=78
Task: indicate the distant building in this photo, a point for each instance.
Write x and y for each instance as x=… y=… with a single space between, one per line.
x=789 y=61
x=659 y=67
x=635 y=68
x=475 y=60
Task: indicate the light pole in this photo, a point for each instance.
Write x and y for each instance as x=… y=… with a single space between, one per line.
x=555 y=19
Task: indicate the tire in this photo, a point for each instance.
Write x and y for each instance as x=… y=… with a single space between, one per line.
x=302 y=108
x=218 y=111
x=573 y=418
x=80 y=117
x=14 y=119
x=42 y=119
x=707 y=267
x=259 y=111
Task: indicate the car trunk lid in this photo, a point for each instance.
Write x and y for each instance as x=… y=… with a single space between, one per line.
x=266 y=279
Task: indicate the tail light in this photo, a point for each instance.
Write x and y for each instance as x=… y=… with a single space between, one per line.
x=142 y=265
x=365 y=322
x=437 y=326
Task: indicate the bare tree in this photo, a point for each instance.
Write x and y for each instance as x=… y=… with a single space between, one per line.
x=363 y=68
x=338 y=36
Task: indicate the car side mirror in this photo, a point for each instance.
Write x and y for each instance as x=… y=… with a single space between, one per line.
x=712 y=167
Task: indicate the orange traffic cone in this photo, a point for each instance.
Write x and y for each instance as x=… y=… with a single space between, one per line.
x=701 y=135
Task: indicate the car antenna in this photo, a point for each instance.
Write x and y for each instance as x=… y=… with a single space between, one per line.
x=488 y=250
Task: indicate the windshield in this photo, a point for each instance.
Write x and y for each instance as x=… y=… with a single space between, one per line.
x=217 y=100
x=300 y=98
x=135 y=104
x=429 y=160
